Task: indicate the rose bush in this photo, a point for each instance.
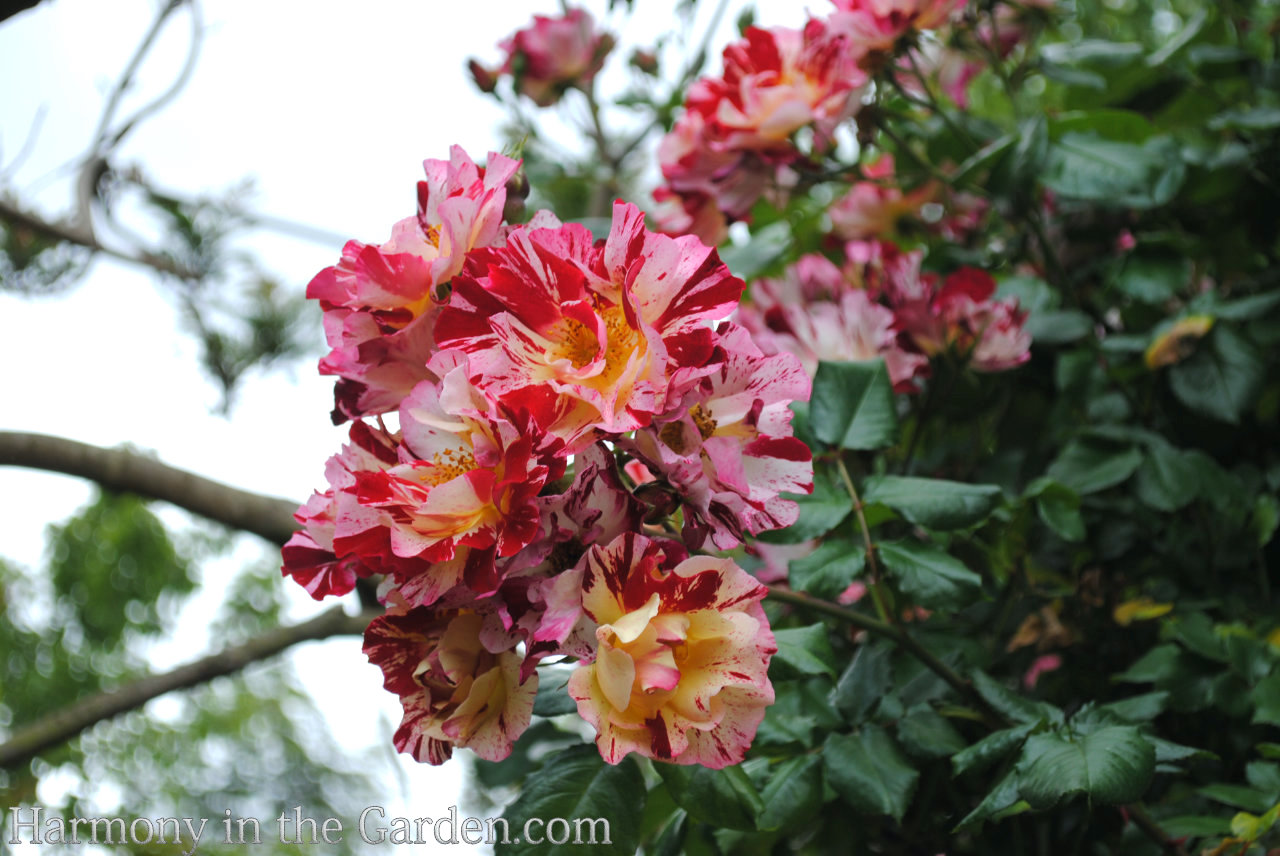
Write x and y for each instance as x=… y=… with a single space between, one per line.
x=980 y=384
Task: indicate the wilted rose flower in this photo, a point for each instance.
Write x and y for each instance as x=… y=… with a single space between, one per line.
x=454 y=691
x=729 y=450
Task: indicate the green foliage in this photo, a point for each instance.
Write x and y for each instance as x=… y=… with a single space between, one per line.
x=115 y=566
x=1057 y=628
x=1086 y=543
x=852 y=405
x=575 y=784
x=115 y=583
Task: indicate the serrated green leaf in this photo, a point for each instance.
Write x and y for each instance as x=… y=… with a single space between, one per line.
x=577 y=785
x=929 y=576
x=750 y=259
x=1160 y=663
x=925 y=733
x=1168 y=478
x=1000 y=798
x=1058 y=507
x=982 y=158
x=852 y=405
x=1123 y=126
x=1264 y=776
x=1058 y=327
x=1237 y=796
x=1088 y=467
x=800 y=708
x=934 y=503
x=1169 y=752
x=991 y=748
x=869 y=772
x=1266 y=700
x=793 y=794
x=1266 y=518
x=1222 y=378
x=1110 y=765
x=1010 y=704
x=1244 y=308
x=1139 y=708
x=1200 y=635
x=1252 y=119
x=820 y=511
x=553 y=697
x=864 y=682
x=804 y=651
x=1153 y=278
x=670 y=842
x=1099 y=52
x=830 y=569
x=1110 y=173
x=723 y=798
x=1196 y=826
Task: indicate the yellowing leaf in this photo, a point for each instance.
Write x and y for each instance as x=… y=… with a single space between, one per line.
x=1140 y=609
x=1273 y=638
x=1178 y=342
x=1245 y=826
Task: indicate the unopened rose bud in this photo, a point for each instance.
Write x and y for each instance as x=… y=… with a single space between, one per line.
x=661 y=499
x=517 y=192
x=486 y=80
x=868 y=123
x=646 y=61
x=518 y=185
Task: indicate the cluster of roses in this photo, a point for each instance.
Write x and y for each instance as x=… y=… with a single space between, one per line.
x=510 y=388
x=881 y=304
x=736 y=140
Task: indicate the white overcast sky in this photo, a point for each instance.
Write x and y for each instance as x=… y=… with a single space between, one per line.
x=331 y=112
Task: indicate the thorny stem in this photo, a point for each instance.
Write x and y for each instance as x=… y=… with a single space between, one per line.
x=915 y=158
x=990 y=716
x=1050 y=255
x=695 y=64
x=1138 y=814
x=872 y=564
x=996 y=63
x=917 y=429
x=126 y=79
x=933 y=103
x=606 y=190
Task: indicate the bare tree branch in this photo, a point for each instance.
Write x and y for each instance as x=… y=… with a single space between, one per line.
x=65 y=724
x=123 y=470
x=179 y=83
x=126 y=78
x=9 y=8
x=81 y=237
